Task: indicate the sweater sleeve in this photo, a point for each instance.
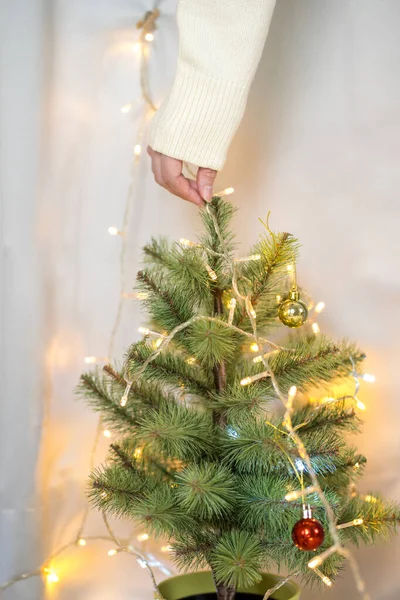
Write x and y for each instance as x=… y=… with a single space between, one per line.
x=220 y=45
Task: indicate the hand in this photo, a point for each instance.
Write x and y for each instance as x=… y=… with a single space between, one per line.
x=168 y=173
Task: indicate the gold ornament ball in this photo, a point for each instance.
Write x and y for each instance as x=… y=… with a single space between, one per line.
x=293 y=312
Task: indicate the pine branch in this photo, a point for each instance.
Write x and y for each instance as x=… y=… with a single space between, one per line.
x=168 y=367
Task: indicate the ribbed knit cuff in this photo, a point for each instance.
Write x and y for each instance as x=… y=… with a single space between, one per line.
x=199 y=118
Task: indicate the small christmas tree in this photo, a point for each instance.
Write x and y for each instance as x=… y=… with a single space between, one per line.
x=203 y=456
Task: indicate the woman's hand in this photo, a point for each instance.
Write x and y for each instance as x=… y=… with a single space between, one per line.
x=168 y=173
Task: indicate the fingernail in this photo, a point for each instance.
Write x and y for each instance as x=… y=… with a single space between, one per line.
x=207 y=193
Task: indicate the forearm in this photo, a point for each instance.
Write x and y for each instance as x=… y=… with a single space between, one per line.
x=221 y=42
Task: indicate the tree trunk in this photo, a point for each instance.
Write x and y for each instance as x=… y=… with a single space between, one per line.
x=223 y=592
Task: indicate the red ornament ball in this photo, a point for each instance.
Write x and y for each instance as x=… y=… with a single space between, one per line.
x=308 y=534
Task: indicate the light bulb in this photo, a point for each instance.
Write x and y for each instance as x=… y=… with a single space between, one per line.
x=90 y=360
x=107 y=433
x=360 y=404
x=51 y=576
x=226 y=192
x=137 y=150
x=143 y=537
x=144 y=331
x=126 y=108
x=254 y=347
x=369 y=378
x=112 y=552
x=81 y=542
x=315 y=328
x=149 y=37
x=114 y=231
x=319 y=307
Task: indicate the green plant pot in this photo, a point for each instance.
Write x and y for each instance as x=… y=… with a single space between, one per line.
x=200 y=586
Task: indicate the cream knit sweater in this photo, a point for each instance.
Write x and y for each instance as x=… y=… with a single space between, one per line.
x=220 y=46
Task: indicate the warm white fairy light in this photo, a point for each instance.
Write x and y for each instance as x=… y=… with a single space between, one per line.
x=149 y=37
x=81 y=542
x=254 y=347
x=261 y=358
x=143 y=537
x=360 y=405
x=51 y=575
x=316 y=329
x=319 y=307
x=253 y=378
x=191 y=360
x=114 y=231
x=188 y=243
x=226 y=192
x=278 y=298
x=211 y=273
x=353 y=523
x=91 y=360
x=166 y=548
x=136 y=296
x=248 y=258
x=232 y=306
x=137 y=150
x=107 y=433
x=126 y=108
x=250 y=308
x=296 y=494
x=112 y=552
x=318 y=560
x=324 y=578
x=290 y=267
x=369 y=378
x=147 y=332
x=370 y=499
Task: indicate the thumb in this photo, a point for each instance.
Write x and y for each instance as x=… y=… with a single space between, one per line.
x=205 y=181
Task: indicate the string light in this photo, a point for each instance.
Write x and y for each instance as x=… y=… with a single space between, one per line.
x=126 y=108
x=143 y=537
x=253 y=378
x=250 y=308
x=369 y=378
x=353 y=523
x=91 y=360
x=248 y=258
x=146 y=332
x=226 y=192
x=166 y=548
x=295 y=495
x=319 y=307
x=149 y=37
x=318 y=560
x=51 y=576
x=323 y=577
x=370 y=499
x=112 y=552
x=261 y=358
x=107 y=433
x=81 y=542
x=137 y=150
x=136 y=296
x=254 y=347
x=232 y=306
x=212 y=274
x=188 y=244
x=360 y=404
x=114 y=231
x=315 y=328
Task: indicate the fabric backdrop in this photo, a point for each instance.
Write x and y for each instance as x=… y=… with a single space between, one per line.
x=319 y=146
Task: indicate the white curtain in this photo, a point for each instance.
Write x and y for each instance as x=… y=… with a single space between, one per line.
x=318 y=146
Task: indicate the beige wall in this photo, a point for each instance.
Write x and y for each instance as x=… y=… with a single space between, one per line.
x=319 y=146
